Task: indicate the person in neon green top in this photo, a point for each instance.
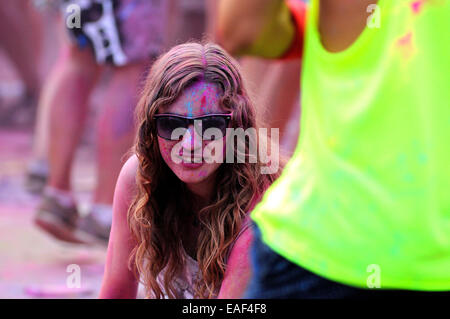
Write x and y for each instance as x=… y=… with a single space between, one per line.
x=365 y=200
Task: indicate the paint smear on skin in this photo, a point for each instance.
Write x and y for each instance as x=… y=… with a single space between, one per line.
x=201 y=98
x=204 y=94
x=203 y=173
x=190 y=111
x=203 y=102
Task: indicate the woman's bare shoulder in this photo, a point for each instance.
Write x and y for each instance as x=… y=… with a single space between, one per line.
x=129 y=170
x=127 y=178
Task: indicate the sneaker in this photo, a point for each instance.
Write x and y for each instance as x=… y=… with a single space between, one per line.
x=36 y=177
x=35 y=182
x=58 y=220
x=19 y=113
x=96 y=226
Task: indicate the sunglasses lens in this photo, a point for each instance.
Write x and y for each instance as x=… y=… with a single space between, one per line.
x=167 y=125
x=217 y=122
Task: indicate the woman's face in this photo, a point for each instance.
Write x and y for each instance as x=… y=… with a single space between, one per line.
x=186 y=157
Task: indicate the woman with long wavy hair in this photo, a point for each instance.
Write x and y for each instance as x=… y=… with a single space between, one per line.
x=180 y=220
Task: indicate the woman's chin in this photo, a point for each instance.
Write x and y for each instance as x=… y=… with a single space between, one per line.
x=194 y=173
x=192 y=177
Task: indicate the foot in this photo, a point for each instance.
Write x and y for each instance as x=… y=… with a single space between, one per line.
x=36 y=177
x=58 y=219
x=96 y=226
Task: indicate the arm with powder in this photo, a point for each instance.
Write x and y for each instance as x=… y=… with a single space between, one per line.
x=119 y=281
x=255 y=27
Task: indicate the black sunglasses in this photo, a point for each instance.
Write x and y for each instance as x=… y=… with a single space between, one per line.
x=167 y=123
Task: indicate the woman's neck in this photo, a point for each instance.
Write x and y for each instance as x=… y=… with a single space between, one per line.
x=202 y=192
x=201 y=195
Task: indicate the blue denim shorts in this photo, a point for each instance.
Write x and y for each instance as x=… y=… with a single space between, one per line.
x=274 y=277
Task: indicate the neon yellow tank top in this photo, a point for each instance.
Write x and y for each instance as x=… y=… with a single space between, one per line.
x=368 y=187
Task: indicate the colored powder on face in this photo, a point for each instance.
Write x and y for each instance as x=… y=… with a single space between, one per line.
x=203 y=102
x=202 y=173
x=203 y=96
x=190 y=111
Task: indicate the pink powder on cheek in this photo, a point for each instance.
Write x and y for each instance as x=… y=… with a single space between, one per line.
x=203 y=173
x=165 y=148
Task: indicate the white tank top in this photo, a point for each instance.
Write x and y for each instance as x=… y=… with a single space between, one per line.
x=184 y=283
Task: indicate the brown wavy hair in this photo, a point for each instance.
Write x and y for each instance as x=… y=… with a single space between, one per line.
x=162 y=206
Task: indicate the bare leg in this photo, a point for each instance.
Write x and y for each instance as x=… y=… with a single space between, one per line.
x=115 y=133
x=40 y=142
x=67 y=96
x=20 y=37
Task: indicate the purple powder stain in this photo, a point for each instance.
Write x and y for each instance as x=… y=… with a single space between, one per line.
x=189 y=108
x=204 y=94
x=202 y=173
x=203 y=103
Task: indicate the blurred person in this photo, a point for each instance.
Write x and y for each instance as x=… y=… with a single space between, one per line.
x=52 y=36
x=144 y=28
x=181 y=226
x=122 y=36
x=20 y=39
x=186 y=19
x=363 y=203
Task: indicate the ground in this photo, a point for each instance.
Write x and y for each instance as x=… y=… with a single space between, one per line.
x=33 y=264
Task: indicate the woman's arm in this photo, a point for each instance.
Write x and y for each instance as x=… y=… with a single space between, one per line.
x=118 y=280
x=238 y=273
